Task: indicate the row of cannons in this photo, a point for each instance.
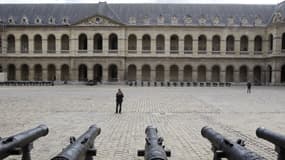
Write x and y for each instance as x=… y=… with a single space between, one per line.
x=181 y=84
x=27 y=83
x=83 y=147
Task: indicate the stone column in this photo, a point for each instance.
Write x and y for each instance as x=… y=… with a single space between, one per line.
x=195 y=46
x=194 y=75
x=105 y=74
x=121 y=75
x=277 y=41
x=152 y=74
x=236 y=76
x=31 y=74
x=276 y=76
x=139 y=74
x=251 y=46
x=105 y=45
x=180 y=74
x=237 y=46
x=223 y=76
x=223 y=46
x=208 y=75
x=167 y=45
x=153 y=46
x=89 y=45
x=18 y=73
x=209 y=46
x=90 y=73
x=167 y=74
x=57 y=74
x=139 y=45
x=57 y=45
x=44 y=43
x=44 y=74
x=17 y=45
x=73 y=74
x=250 y=76
x=181 y=46
x=31 y=45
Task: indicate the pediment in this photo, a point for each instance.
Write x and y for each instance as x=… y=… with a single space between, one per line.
x=97 y=20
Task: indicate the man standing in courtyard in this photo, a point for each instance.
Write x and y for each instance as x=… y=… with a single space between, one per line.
x=248 y=87
x=119 y=100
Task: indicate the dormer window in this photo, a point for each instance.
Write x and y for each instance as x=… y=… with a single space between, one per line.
x=231 y=20
x=51 y=20
x=65 y=20
x=11 y=20
x=188 y=19
x=98 y=20
x=146 y=20
x=258 y=21
x=174 y=20
x=38 y=20
x=216 y=20
x=160 y=20
x=24 y=20
x=244 y=21
x=202 y=20
x=132 y=20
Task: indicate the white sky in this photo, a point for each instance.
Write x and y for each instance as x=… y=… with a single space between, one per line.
x=147 y=1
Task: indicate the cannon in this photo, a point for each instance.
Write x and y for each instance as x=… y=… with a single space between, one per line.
x=277 y=139
x=224 y=148
x=154 y=148
x=21 y=143
x=81 y=148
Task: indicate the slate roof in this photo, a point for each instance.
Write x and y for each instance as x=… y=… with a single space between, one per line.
x=122 y=12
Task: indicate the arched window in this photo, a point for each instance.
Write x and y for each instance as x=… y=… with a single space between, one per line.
x=282 y=80
x=243 y=74
x=283 y=42
x=160 y=46
x=113 y=43
x=187 y=75
x=159 y=73
x=113 y=73
x=132 y=44
x=51 y=44
x=201 y=74
x=24 y=44
x=38 y=76
x=146 y=73
x=244 y=45
x=173 y=73
x=64 y=72
x=98 y=43
x=98 y=72
x=1 y=69
x=229 y=74
x=257 y=75
x=174 y=44
x=188 y=44
x=230 y=44
x=146 y=44
x=82 y=43
x=82 y=72
x=216 y=74
x=132 y=73
x=11 y=75
x=11 y=44
x=257 y=45
x=202 y=44
x=64 y=44
x=270 y=43
x=24 y=72
x=216 y=44
x=51 y=72
x=38 y=44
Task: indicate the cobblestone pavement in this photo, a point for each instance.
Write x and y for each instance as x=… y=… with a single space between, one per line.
x=179 y=113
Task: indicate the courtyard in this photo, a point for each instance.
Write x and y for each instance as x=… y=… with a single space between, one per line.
x=179 y=113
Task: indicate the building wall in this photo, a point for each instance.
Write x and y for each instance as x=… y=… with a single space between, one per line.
x=122 y=58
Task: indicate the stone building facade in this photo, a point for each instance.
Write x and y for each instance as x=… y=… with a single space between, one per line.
x=143 y=42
